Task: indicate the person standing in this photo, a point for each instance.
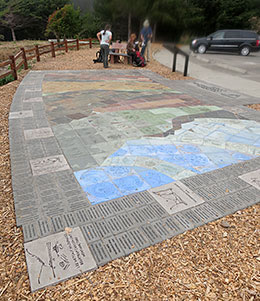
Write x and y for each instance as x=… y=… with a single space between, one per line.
x=105 y=37
x=146 y=36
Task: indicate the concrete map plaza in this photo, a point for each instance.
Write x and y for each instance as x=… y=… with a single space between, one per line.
x=106 y=163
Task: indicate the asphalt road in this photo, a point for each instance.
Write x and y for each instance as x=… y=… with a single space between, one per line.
x=247 y=67
x=230 y=71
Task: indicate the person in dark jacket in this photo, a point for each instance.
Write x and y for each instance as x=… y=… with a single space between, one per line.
x=131 y=46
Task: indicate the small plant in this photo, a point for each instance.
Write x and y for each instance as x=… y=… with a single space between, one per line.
x=9 y=78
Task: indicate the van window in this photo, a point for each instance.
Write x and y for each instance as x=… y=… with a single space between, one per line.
x=232 y=34
x=218 y=35
x=249 y=34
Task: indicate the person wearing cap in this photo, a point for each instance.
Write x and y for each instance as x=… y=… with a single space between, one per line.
x=146 y=36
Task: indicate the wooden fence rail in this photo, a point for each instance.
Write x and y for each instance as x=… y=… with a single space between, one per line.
x=15 y=62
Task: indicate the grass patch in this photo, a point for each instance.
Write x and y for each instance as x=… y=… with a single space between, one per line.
x=9 y=78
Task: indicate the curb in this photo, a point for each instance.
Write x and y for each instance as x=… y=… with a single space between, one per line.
x=220 y=65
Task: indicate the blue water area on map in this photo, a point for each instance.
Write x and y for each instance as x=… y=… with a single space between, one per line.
x=109 y=182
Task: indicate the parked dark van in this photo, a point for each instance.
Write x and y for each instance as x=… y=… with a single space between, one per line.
x=241 y=41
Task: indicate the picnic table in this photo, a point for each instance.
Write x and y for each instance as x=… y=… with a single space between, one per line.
x=117 y=50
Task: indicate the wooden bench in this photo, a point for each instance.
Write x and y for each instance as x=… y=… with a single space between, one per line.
x=119 y=50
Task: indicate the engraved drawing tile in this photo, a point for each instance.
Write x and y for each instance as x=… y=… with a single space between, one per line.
x=48 y=165
x=175 y=197
x=57 y=257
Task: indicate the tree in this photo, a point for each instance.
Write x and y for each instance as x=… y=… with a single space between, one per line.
x=91 y=24
x=255 y=23
x=31 y=15
x=65 y=22
x=234 y=14
x=15 y=16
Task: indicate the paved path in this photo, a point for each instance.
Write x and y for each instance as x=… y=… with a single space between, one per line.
x=218 y=71
x=105 y=163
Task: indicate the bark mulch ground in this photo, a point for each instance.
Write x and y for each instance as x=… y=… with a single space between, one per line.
x=255 y=106
x=218 y=261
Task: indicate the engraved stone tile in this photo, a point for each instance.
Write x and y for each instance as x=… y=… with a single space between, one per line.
x=142 y=198
x=29 y=232
x=94 y=213
x=57 y=257
x=90 y=232
x=113 y=247
x=57 y=223
x=224 y=206
x=82 y=216
x=48 y=165
x=38 y=133
x=69 y=220
x=159 y=226
x=173 y=226
x=149 y=213
x=100 y=253
x=186 y=223
x=175 y=197
x=152 y=234
x=116 y=206
x=115 y=225
x=252 y=178
x=45 y=227
x=103 y=229
x=127 y=202
x=138 y=217
x=33 y=99
x=206 y=213
x=105 y=209
x=127 y=243
x=126 y=220
x=20 y=114
x=139 y=238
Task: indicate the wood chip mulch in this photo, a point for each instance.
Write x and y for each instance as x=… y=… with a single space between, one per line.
x=218 y=261
x=255 y=106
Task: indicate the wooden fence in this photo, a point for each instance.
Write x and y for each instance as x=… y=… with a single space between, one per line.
x=15 y=62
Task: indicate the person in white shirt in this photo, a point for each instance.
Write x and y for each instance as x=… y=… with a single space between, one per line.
x=105 y=37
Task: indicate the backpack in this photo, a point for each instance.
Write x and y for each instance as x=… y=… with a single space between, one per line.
x=139 y=60
x=99 y=58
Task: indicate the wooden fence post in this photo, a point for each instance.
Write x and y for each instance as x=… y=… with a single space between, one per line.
x=77 y=43
x=52 y=49
x=66 y=45
x=90 y=43
x=13 y=67
x=25 y=64
x=37 y=53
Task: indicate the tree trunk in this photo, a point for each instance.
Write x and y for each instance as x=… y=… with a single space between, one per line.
x=13 y=35
x=140 y=29
x=154 y=31
x=129 y=25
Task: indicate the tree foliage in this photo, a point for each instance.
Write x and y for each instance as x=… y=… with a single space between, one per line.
x=172 y=18
x=65 y=22
x=29 y=15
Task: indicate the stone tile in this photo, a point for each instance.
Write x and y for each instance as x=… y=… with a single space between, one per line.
x=21 y=114
x=32 y=100
x=252 y=178
x=57 y=257
x=48 y=165
x=175 y=197
x=38 y=133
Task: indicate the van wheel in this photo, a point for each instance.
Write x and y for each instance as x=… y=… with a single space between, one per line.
x=202 y=48
x=245 y=50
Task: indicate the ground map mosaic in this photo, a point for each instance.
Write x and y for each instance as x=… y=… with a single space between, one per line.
x=107 y=163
